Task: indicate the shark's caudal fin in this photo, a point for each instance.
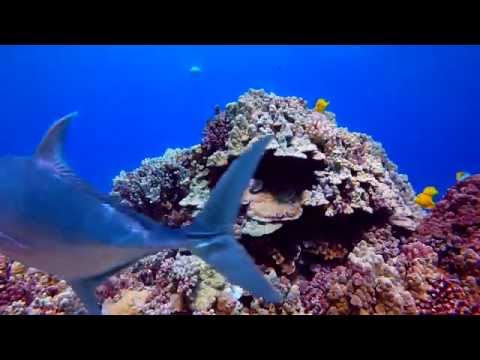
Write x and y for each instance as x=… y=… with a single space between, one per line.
x=214 y=227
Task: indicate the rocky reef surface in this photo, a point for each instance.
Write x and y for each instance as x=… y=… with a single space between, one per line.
x=327 y=217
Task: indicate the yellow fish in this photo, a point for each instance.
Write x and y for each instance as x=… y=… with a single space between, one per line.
x=461 y=175
x=425 y=198
x=430 y=190
x=425 y=201
x=321 y=105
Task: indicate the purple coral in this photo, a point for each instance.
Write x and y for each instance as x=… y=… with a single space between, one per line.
x=216 y=132
x=452 y=230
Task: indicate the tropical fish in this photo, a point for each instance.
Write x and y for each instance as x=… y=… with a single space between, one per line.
x=430 y=190
x=461 y=175
x=425 y=198
x=425 y=201
x=54 y=221
x=321 y=105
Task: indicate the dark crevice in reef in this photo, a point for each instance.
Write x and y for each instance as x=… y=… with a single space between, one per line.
x=215 y=174
x=313 y=227
x=401 y=233
x=279 y=173
x=287 y=173
x=246 y=300
x=459 y=230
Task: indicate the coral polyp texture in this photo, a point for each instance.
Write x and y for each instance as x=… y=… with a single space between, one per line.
x=453 y=231
x=327 y=218
x=27 y=291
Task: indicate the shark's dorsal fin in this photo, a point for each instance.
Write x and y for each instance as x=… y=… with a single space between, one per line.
x=51 y=147
x=50 y=151
x=50 y=154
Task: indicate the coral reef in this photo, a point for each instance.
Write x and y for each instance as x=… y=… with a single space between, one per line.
x=327 y=217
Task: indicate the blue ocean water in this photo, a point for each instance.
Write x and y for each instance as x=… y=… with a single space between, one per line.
x=420 y=102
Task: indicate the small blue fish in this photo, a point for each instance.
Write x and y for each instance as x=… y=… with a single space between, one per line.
x=195 y=70
x=52 y=220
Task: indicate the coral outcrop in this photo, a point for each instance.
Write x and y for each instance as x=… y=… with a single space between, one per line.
x=321 y=195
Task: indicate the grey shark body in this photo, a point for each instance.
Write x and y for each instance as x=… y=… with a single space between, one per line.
x=52 y=220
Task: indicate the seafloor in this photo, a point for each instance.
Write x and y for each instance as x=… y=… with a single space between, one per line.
x=327 y=217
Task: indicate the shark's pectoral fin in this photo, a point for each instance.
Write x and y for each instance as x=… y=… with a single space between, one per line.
x=86 y=291
x=85 y=288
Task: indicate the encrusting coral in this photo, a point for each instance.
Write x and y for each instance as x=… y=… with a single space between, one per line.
x=327 y=218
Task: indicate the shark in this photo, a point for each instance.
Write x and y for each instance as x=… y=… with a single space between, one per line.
x=54 y=221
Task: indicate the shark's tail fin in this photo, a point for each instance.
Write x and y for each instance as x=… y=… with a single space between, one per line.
x=212 y=231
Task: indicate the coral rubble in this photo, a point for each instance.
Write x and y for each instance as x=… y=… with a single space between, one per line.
x=327 y=217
